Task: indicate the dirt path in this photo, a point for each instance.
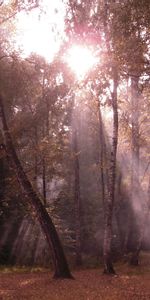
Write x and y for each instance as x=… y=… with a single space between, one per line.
x=88 y=285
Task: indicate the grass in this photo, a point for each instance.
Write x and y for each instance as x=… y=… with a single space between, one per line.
x=88 y=263
x=21 y=269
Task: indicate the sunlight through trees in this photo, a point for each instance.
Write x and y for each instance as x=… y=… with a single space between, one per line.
x=74 y=133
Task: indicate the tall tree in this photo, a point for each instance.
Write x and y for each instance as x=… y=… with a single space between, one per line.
x=109 y=205
x=77 y=196
x=58 y=257
x=87 y=30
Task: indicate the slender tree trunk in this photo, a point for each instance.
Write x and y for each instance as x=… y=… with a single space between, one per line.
x=135 y=256
x=135 y=189
x=35 y=158
x=77 y=199
x=101 y=153
x=58 y=257
x=44 y=181
x=44 y=170
x=117 y=213
x=108 y=265
x=46 y=133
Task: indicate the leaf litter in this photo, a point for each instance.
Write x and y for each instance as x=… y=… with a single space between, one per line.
x=88 y=285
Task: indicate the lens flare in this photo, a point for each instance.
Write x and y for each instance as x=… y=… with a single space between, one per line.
x=81 y=60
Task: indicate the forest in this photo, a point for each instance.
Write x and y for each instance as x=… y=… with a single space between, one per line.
x=75 y=149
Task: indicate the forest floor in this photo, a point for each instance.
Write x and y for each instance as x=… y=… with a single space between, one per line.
x=89 y=284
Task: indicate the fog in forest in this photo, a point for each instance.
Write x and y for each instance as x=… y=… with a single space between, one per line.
x=78 y=150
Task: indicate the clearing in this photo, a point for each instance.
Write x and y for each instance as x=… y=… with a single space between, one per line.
x=131 y=283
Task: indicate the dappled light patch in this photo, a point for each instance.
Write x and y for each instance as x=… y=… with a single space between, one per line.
x=27 y=282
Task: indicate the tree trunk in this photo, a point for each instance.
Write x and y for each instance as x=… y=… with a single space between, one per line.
x=45 y=133
x=135 y=189
x=77 y=199
x=2 y=178
x=44 y=181
x=58 y=257
x=101 y=152
x=108 y=265
x=117 y=213
x=35 y=158
x=134 y=261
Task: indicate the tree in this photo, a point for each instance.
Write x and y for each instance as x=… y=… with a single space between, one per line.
x=131 y=49
x=119 y=29
x=77 y=193
x=59 y=261
x=109 y=202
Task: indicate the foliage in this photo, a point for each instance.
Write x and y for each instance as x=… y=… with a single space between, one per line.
x=41 y=113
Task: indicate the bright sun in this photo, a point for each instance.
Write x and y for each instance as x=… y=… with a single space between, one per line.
x=42 y=33
x=81 y=60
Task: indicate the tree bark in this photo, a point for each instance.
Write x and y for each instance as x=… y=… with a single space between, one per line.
x=108 y=265
x=135 y=189
x=44 y=181
x=134 y=261
x=77 y=199
x=58 y=257
x=45 y=133
x=2 y=178
x=101 y=152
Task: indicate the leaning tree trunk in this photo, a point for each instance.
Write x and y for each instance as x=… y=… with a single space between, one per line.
x=108 y=265
x=58 y=257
